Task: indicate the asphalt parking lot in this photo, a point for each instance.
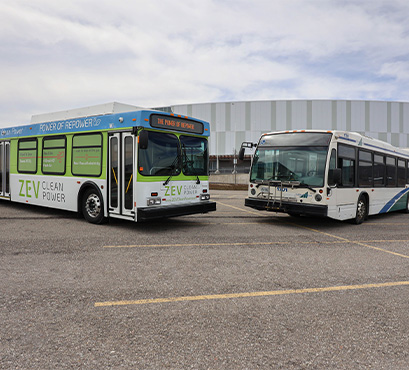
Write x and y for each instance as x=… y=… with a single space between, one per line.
x=233 y=289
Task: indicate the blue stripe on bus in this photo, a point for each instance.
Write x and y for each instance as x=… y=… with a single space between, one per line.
x=116 y=121
x=392 y=202
x=347 y=139
x=387 y=150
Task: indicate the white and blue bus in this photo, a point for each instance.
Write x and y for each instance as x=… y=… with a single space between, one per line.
x=341 y=175
x=111 y=160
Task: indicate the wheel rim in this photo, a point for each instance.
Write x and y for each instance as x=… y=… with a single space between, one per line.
x=93 y=205
x=361 y=210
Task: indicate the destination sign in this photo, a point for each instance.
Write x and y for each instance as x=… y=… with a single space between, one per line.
x=176 y=123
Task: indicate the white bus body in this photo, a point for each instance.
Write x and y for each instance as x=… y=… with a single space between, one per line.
x=341 y=175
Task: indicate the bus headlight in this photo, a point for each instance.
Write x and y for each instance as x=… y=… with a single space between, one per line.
x=204 y=196
x=154 y=201
x=318 y=197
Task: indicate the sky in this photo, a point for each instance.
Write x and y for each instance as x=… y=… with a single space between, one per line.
x=58 y=55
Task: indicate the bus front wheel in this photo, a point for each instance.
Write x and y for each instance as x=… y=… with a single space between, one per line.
x=361 y=210
x=93 y=206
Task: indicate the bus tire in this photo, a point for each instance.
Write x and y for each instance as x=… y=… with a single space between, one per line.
x=361 y=210
x=93 y=206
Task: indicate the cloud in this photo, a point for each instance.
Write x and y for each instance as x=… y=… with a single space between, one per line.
x=59 y=56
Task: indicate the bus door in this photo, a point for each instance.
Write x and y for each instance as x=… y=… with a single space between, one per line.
x=121 y=174
x=5 y=169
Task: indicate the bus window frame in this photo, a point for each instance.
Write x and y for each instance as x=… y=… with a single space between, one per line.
x=393 y=184
x=90 y=146
x=364 y=160
x=28 y=139
x=340 y=158
x=377 y=154
x=404 y=177
x=57 y=137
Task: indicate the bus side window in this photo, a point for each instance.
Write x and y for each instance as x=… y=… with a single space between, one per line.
x=347 y=172
x=401 y=172
x=391 y=172
x=334 y=174
x=379 y=169
x=407 y=172
x=346 y=162
x=365 y=168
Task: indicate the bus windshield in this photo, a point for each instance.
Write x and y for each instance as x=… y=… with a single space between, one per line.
x=167 y=156
x=302 y=159
x=162 y=156
x=194 y=155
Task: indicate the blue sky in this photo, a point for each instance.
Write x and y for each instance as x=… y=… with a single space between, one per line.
x=63 y=55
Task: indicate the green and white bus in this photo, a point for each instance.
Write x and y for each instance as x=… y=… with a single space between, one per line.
x=110 y=160
x=341 y=175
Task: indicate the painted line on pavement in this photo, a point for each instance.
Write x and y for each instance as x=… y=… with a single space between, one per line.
x=250 y=294
x=331 y=235
x=351 y=241
x=250 y=244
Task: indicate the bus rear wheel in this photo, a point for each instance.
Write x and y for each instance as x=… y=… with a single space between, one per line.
x=361 y=211
x=93 y=206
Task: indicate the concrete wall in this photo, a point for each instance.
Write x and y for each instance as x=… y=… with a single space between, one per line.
x=234 y=122
x=239 y=178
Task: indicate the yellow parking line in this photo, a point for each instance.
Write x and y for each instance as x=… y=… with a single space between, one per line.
x=350 y=241
x=330 y=235
x=243 y=210
x=202 y=244
x=253 y=243
x=250 y=294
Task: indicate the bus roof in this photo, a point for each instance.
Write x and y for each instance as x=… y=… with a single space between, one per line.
x=111 y=116
x=356 y=139
x=93 y=110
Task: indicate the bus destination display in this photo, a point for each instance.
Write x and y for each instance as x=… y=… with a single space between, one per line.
x=176 y=123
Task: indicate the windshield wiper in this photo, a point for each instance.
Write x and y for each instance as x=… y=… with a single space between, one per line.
x=307 y=187
x=172 y=167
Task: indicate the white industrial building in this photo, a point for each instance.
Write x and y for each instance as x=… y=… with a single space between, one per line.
x=234 y=122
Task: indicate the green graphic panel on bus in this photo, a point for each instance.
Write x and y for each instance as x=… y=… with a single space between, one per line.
x=86 y=161
x=54 y=160
x=87 y=140
x=27 y=160
x=54 y=143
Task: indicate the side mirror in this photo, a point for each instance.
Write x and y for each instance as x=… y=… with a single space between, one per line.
x=241 y=153
x=143 y=139
x=243 y=147
x=334 y=177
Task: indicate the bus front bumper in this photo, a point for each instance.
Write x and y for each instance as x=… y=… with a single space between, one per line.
x=287 y=207
x=151 y=213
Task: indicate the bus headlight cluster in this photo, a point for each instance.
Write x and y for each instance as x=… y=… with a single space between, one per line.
x=318 y=197
x=154 y=201
x=204 y=196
